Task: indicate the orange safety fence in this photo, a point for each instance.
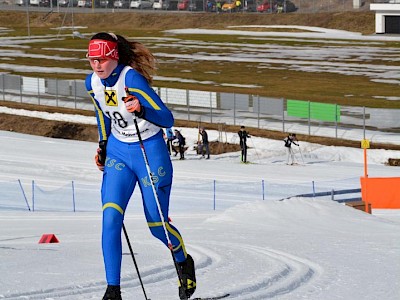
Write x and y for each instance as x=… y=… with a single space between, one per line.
x=381 y=192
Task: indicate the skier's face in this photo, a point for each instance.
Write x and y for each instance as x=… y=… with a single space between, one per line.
x=103 y=67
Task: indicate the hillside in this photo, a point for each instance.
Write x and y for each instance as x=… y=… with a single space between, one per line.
x=363 y=21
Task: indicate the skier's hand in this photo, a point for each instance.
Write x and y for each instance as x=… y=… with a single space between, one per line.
x=132 y=104
x=100 y=157
x=99 y=161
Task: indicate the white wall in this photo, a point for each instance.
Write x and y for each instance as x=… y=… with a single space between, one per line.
x=382 y=10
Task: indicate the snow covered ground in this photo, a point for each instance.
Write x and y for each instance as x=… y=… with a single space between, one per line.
x=298 y=248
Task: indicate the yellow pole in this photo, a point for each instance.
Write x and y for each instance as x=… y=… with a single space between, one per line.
x=365 y=163
x=365 y=146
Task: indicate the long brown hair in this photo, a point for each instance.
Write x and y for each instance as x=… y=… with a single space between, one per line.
x=133 y=54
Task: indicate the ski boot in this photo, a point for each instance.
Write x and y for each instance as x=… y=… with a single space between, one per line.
x=188 y=278
x=113 y=292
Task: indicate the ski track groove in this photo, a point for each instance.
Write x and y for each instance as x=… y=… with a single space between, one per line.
x=148 y=277
x=292 y=273
x=289 y=273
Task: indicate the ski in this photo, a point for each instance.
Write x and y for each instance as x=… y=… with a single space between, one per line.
x=212 y=298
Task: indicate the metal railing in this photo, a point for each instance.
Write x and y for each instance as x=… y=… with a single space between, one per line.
x=333 y=193
x=204 y=195
x=356 y=123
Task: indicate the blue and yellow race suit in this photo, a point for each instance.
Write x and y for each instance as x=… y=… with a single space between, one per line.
x=125 y=164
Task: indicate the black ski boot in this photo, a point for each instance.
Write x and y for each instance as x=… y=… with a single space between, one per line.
x=113 y=292
x=188 y=278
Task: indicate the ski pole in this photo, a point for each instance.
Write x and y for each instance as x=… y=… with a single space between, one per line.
x=255 y=149
x=134 y=260
x=150 y=174
x=301 y=155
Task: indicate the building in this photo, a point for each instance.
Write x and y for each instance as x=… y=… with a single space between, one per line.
x=387 y=16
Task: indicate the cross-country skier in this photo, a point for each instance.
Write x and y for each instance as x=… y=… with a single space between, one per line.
x=289 y=140
x=170 y=137
x=120 y=89
x=243 y=135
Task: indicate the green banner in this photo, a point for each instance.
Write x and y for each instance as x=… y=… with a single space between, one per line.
x=313 y=110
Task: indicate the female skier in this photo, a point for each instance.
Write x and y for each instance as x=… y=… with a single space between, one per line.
x=120 y=90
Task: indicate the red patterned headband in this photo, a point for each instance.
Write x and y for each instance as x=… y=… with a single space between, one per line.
x=103 y=49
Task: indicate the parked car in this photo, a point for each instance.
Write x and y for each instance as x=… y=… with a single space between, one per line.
x=20 y=2
x=44 y=3
x=265 y=6
x=141 y=4
x=105 y=3
x=121 y=4
x=84 y=3
x=196 y=5
x=48 y=3
x=65 y=3
x=34 y=2
x=287 y=6
x=183 y=5
x=161 y=4
x=276 y=6
x=250 y=5
x=229 y=6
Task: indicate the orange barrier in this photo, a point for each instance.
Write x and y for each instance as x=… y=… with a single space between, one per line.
x=381 y=192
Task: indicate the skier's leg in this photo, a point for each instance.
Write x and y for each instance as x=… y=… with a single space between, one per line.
x=292 y=155
x=118 y=184
x=154 y=220
x=185 y=261
x=161 y=167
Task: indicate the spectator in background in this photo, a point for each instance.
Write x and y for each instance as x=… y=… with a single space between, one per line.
x=181 y=143
x=289 y=140
x=170 y=137
x=205 y=145
x=243 y=135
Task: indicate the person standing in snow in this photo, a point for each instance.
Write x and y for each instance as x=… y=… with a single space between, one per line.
x=205 y=145
x=243 y=135
x=181 y=143
x=120 y=88
x=289 y=140
x=170 y=137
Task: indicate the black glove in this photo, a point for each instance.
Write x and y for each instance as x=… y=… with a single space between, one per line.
x=102 y=152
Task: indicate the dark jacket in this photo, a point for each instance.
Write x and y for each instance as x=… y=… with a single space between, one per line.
x=204 y=137
x=289 y=140
x=181 y=139
x=243 y=135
